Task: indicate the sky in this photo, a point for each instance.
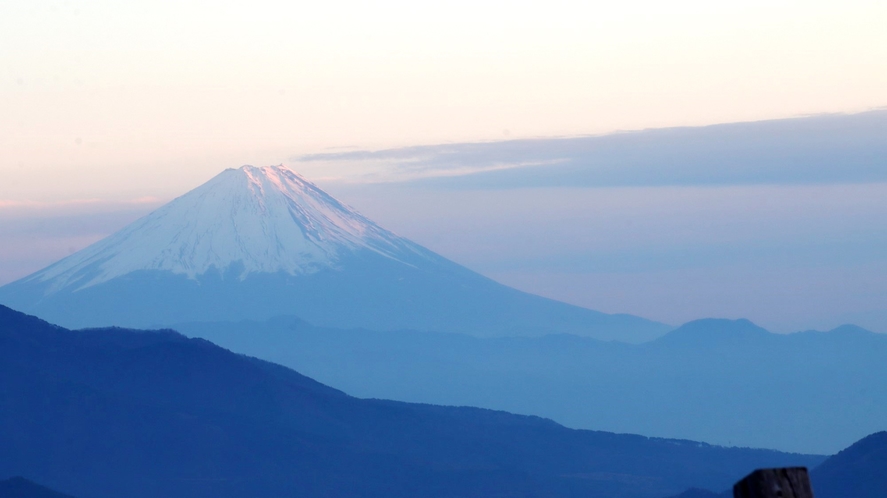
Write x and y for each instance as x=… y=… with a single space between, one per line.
x=781 y=222
x=108 y=109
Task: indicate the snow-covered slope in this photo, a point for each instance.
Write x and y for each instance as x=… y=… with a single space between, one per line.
x=254 y=243
x=265 y=220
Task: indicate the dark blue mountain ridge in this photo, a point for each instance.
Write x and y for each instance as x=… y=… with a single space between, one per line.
x=723 y=381
x=116 y=412
x=702 y=493
x=859 y=471
x=254 y=243
x=19 y=487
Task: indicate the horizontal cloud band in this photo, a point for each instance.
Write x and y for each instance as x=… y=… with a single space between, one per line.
x=817 y=149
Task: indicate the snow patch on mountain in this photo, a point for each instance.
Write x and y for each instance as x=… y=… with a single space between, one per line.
x=261 y=220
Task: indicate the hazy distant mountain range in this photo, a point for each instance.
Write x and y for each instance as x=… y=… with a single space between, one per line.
x=720 y=381
x=112 y=412
x=254 y=243
x=379 y=316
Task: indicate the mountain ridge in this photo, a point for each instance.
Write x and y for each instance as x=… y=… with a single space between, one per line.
x=859 y=470
x=266 y=219
x=720 y=389
x=254 y=243
x=19 y=487
x=115 y=412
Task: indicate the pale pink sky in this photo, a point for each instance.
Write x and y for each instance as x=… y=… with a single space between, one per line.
x=108 y=108
x=126 y=99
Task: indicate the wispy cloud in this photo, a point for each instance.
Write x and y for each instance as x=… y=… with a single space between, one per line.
x=406 y=169
x=812 y=149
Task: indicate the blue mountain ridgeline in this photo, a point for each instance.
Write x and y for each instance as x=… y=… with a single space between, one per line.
x=857 y=471
x=115 y=412
x=721 y=381
x=703 y=493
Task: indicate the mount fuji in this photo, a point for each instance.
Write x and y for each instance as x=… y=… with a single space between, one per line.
x=254 y=243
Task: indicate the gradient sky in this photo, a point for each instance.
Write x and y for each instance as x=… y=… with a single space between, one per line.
x=108 y=109
x=115 y=98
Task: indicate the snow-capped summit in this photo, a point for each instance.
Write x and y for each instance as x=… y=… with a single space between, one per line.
x=259 y=220
x=256 y=243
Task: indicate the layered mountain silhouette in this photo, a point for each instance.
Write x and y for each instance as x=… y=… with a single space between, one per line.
x=115 y=412
x=727 y=382
x=254 y=243
x=857 y=471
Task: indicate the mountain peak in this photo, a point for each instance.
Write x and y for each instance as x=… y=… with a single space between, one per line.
x=248 y=220
x=280 y=176
x=257 y=242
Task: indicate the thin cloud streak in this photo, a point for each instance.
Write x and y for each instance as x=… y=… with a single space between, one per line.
x=825 y=149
